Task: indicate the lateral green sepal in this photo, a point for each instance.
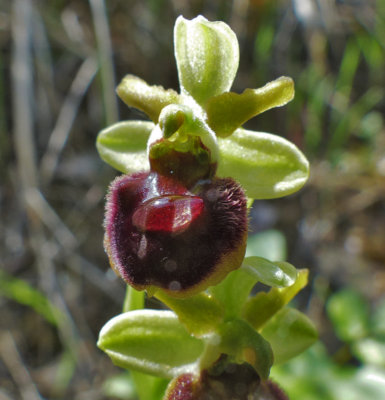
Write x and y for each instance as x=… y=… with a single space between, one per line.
x=135 y=92
x=289 y=333
x=229 y=111
x=266 y=165
x=150 y=341
x=124 y=145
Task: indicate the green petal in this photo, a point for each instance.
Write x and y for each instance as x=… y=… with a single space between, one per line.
x=135 y=92
x=229 y=111
x=200 y=314
x=289 y=333
x=150 y=341
x=241 y=341
x=276 y=274
x=266 y=165
x=259 y=309
x=124 y=145
x=207 y=57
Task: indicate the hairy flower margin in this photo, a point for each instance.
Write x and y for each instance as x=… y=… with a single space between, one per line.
x=176 y=223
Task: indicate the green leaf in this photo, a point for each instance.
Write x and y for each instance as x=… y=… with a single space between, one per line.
x=200 y=314
x=241 y=341
x=276 y=274
x=119 y=386
x=124 y=145
x=349 y=312
x=150 y=341
x=270 y=244
x=259 y=309
x=370 y=351
x=266 y=165
x=378 y=319
x=229 y=111
x=135 y=92
x=207 y=57
x=233 y=291
x=289 y=333
x=22 y=292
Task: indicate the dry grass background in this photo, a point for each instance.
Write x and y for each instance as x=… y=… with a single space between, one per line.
x=60 y=62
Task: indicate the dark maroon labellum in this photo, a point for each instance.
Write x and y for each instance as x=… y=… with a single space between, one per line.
x=160 y=234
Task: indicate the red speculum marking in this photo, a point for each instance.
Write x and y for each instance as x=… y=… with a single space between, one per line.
x=173 y=214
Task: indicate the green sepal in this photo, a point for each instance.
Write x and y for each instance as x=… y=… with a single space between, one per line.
x=207 y=57
x=150 y=341
x=260 y=308
x=276 y=274
x=229 y=111
x=135 y=92
x=289 y=333
x=233 y=291
x=200 y=314
x=266 y=165
x=241 y=341
x=124 y=145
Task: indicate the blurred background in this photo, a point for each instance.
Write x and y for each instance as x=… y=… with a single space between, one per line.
x=60 y=62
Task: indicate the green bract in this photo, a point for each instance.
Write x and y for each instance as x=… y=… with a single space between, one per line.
x=207 y=57
x=150 y=341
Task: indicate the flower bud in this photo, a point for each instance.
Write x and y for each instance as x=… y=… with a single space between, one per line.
x=159 y=234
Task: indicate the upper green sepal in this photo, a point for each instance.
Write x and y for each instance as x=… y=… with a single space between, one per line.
x=229 y=111
x=150 y=341
x=266 y=165
x=135 y=92
x=207 y=56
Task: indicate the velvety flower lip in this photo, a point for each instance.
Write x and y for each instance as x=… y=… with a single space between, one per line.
x=158 y=234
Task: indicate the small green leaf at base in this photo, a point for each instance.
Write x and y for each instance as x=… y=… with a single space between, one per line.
x=150 y=341
x=289 y=333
